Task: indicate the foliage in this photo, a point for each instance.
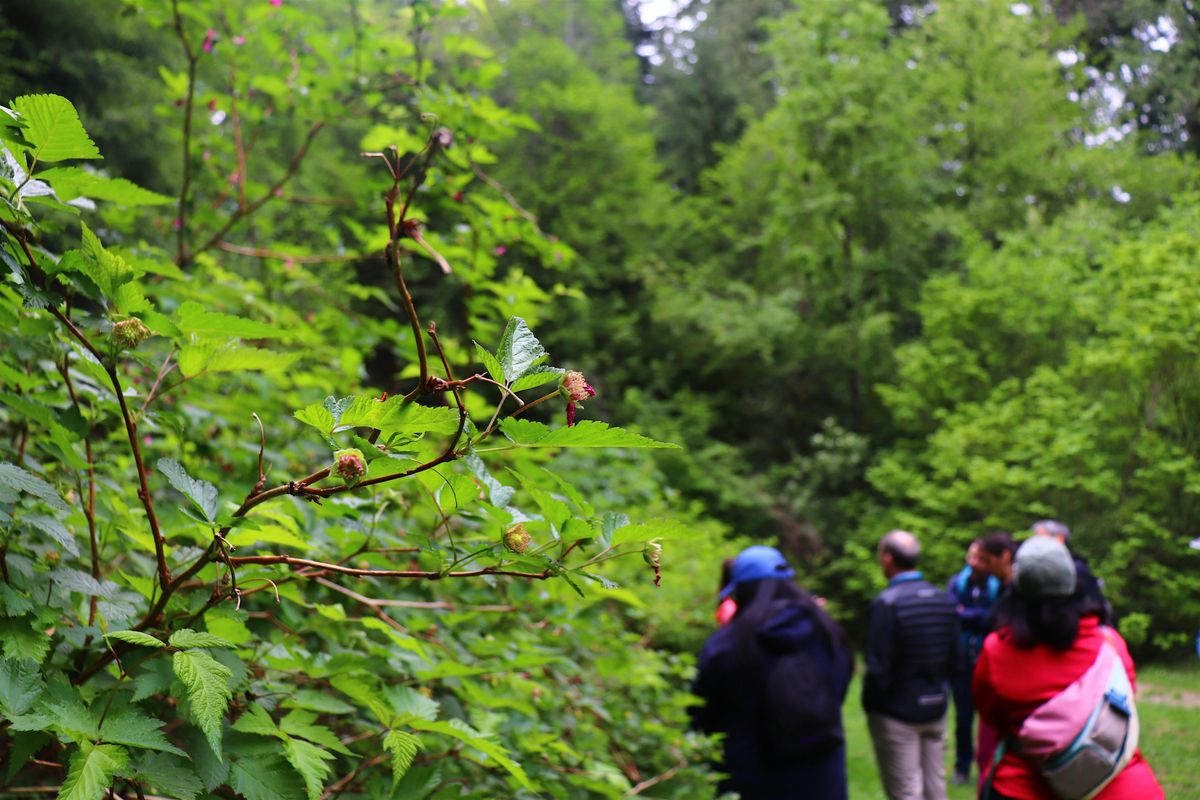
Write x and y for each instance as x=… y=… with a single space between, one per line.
x=204 y=592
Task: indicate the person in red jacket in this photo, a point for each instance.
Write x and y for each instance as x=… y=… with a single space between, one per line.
x=1048 y=634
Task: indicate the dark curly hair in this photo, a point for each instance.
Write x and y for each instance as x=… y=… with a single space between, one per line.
x=1053 y=621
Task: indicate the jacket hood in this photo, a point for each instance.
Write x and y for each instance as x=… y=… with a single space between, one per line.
x=787 y=628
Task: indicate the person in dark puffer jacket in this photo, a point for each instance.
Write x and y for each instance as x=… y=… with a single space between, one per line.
x=912 y=651
x=773 y=681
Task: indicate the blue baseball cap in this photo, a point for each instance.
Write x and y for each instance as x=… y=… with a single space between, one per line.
x=756 y=563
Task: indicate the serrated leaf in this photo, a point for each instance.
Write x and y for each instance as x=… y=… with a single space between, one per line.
x=403 y=746
x=24 y=747
x=22 y=642
x=317 y=701
x=107 y=270
x=255 y=780
x=135 y=730
x=257 y=721
x=519 y=350
x=368 y=411
x=209 y=356
x=202 y=493
x=209 y=766
x=536 y=376
x=311 y=762
x=195 y=320
x=304 y=724
x=168 y=775
x=318 y=416
x=14 y=477
x=135 y=637
x=187 y=638
x=52 y=126
x=208 y=692
x=489 y=363
x=588 y=433
x=362 y=690
x=409 y=703
x=457 y=729
x=265 y=534
x=75 y=580
x=20 y=686
x=499 y=495
x=55 y=530
x=91 y=771
x=413 y=418
x=72 y=182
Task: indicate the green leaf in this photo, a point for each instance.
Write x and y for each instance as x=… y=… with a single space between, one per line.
x=589 y=433
x=195 y=320
x=167 y=774
x=20 y=686
x=413 y=418
x=20 y=641
x=311 y=762
x=55 y=530
x=72 y=182
x=303 y=724
x=24 y=747
x=365 y=692
x=14 y=477
x=256 y=720
x=403 y=746
x=208 y=692
x=209 y=356
x=318 y=416
x=135 y=637
x=367 y=411
x=490 y=363
x=135 y=730
x=202 y=493
x=519 y=350
x=537 y=376
x=107 y=270
x=255 y=780
x=187 y=638
x=209 y=766
x=457 y=729
x=499 y=495
x=317 y=701
x=52 y=126
x=91 y=771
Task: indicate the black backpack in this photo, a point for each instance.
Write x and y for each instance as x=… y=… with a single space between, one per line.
x=801 y=702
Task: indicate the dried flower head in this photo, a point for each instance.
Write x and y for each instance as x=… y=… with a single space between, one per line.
x=516 y=538
x=129 y=333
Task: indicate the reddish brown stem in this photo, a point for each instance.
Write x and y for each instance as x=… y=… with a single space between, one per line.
x=383 y=573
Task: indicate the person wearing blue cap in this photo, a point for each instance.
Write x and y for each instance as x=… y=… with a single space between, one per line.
x=773 y=681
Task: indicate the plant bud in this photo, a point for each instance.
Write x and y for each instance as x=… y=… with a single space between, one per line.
x=129 y=333
x=349 y=465
x=652 y=554
x=516 y=538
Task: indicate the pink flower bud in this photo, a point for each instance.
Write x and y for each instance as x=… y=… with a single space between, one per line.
x=210 y=39
x=349 y=465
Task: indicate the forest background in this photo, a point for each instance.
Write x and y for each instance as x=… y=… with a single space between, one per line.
x=870 y=264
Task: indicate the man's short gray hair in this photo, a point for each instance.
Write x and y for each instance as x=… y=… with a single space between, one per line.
x=903 y=547
x=1052 y=527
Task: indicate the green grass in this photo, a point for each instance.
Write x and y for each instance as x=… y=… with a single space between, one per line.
x=1169 y=705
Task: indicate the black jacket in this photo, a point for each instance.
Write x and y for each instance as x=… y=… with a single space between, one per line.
x=735 y=699
x=912 y=650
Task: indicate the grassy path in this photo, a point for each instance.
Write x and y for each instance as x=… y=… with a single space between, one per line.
x=1169 y=704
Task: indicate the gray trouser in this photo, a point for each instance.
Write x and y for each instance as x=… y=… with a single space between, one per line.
x=910 y=757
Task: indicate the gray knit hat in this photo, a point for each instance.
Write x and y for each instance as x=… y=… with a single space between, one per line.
x=1043 y=567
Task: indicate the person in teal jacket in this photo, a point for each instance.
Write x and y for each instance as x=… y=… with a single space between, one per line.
x=975 y=593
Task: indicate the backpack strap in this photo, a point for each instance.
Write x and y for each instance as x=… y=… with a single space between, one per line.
x=985 y=791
